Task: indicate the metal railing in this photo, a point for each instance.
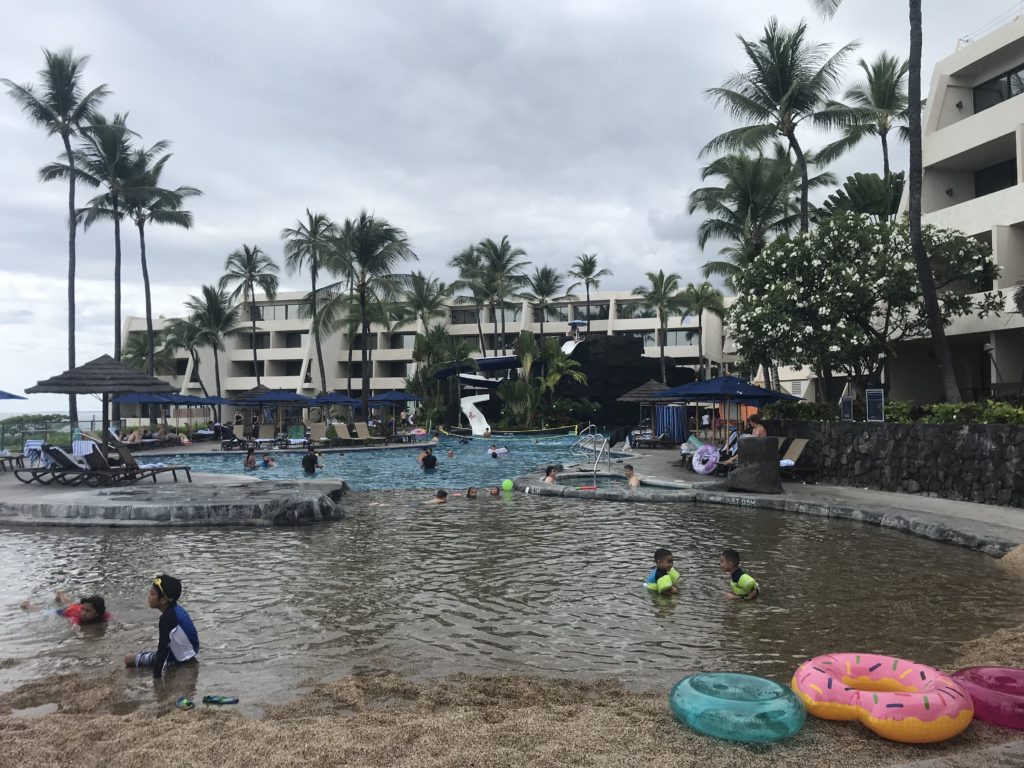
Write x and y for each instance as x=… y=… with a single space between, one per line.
x=593 y=444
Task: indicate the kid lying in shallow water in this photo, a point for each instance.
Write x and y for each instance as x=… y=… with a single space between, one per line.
x=88 y=610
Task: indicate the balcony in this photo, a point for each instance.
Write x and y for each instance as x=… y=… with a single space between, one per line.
x=973 y=217
x=993 y=128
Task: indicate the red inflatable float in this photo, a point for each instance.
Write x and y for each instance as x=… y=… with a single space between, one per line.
x=998 y=694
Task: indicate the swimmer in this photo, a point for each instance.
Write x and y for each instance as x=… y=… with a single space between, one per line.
x=631 y=479
x=88 y=610
x=268 y=461
x=451 y=454
x=441 y=497
x=551 y=474
x=495 y=491
x=471 y=493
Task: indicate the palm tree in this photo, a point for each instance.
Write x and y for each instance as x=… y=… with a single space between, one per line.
x=752 y=206
x=61 y=107
x=875 y=106
x=471 y=279
x=662 y=296
x=503 y=277
x=148 y=203
x=185 y=333
x=425 y=298
x=585 y=270
x=929 y=296
x=102 y=160
x=248 y=269
x=696 y=300
x=366 y=254
x=545 y=286
x=215 y=317
x=136 y=355
x=306 y=244
x=788 y=80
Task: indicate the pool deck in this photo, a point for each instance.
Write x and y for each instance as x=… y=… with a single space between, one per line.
x=209 y=500
x=986 y=527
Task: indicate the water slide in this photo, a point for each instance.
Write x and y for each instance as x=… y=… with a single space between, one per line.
x=477 y=423
x=570 y=345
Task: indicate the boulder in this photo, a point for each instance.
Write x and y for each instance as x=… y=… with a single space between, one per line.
x=758 y=469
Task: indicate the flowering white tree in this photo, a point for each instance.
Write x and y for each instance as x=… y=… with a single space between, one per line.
x=839 y=298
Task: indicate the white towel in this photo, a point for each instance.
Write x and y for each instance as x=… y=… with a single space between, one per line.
x=82 y=447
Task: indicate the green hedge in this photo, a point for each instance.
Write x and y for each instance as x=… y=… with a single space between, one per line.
x=902 y=412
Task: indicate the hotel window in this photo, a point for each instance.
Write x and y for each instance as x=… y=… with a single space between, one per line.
x=551 y=314
x=357 y=342
x=648 y=337
x=403 y=340
x=262 y=341
x=634 y=310
x=180 y=366
x=510 y=313
x=295 y=340
x=598 y=311
x=463 y=317
x=680 y=338
x=292 y=367
x=995 y=177
x=998 y=89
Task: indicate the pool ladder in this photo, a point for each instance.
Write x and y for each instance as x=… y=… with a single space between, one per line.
x=591 y=443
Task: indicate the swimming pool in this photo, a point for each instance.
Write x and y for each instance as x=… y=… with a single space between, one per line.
x=393 y=468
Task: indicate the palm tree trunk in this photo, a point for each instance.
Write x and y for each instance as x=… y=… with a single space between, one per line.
x=503 y=329
x=494 y=316
x=700 y=347
x=150 y=363
x=664 y=332
x=216 y=376
x=924 y=269
x=587 y=284
x=885 y=155
x=804 y=183
x=116 y=407
x=195 y=367
x=364 y=354
x=348 y=389
x=316 y=340
x=252 y=314
x=542 y=310
x=480 y=332
x=72 y=232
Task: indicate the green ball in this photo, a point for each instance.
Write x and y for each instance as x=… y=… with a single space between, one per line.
x=506 y=485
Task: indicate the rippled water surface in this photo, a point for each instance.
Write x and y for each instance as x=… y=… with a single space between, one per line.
x=515 y=583
x=471 y=464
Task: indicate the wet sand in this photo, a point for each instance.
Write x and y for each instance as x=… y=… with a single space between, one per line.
x=462 y=721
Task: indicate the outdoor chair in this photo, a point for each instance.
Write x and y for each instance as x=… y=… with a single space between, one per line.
x=793 y=454
x=60 y=467
x=363 y=433
x=296 y=436
x=345 y=436
x=142 y=471
x=318 y=433
x=267 y=434
x=14 y=460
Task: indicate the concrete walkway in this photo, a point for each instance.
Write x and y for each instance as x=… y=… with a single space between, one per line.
x=986 y=527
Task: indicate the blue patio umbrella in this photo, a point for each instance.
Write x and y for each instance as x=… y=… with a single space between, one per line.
x=9 y=396
x=335 y=398
x=725 y=388
x=393 y=397
x=273 y=397
x=142 y=398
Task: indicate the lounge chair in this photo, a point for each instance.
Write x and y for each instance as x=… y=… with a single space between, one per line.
x=793 y=454
x=266 y=435
x=363 y=433
x=143 y=471
x=345 y=436
x=59 y=467
x=318 y=433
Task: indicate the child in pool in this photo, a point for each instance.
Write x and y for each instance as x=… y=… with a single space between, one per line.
x=250 y=459
x=663 y=577
x=743 y=585
x=179 y=641
x=88 y=610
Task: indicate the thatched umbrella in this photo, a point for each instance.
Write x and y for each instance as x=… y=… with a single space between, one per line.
x=103 y=376
x=645 y=394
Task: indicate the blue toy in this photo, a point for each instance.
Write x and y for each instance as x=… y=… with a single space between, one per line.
x=736 y=707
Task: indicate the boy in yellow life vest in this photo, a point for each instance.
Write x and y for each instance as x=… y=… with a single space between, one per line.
x=663 y=577
x=743 y=585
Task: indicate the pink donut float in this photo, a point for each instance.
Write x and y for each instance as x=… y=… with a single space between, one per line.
x=997 y=692
x=897 y=699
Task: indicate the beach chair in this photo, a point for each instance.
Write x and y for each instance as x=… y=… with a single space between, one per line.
x=266 y=435
x=143 y=471
x=363 y=433
x=318 y=434
x=296 y=436
x=789 y=466
x=61 y=468
x=345 y=436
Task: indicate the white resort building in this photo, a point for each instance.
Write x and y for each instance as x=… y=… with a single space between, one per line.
x=287 y=354
x=973 y=141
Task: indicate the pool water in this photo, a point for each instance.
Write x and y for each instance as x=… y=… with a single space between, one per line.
x=509 y=584
x=395 y=468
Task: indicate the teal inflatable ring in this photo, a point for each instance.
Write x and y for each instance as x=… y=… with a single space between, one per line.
x=737 y=707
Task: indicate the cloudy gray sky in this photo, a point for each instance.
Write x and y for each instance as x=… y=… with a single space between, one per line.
x=571 y=126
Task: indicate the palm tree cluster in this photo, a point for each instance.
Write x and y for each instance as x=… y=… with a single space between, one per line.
x=103 y=154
